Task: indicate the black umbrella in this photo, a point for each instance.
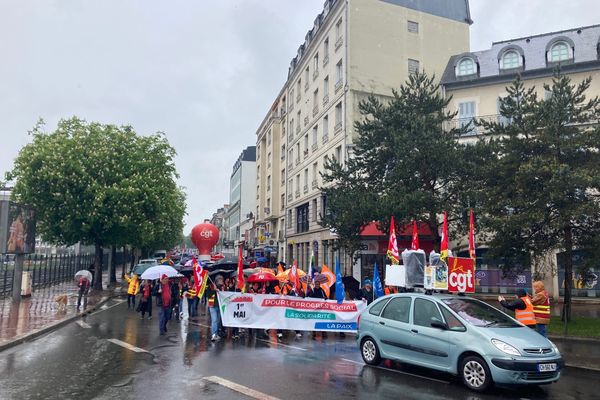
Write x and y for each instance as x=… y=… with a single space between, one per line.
x=228 y=263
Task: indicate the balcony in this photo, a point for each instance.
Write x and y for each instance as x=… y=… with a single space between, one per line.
x=475 y=128
x=291 y=136
x=298 y=128
x=337 y=127
x=325 y=138
x=315 y=146
x=305 y=189
x=315 y=110
x=298 y=161
x=315 y=74
x=339 y=42
x=298 y=97
x=305 y=153
x=306 y=86
x=289 y=197
x=325 y=60
x=314 y=184
x=325 y=99
x=306 y=120
x=291 y=106
x=297 y=193
x=338 y=86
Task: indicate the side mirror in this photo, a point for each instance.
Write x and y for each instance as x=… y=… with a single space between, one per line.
x=436 y=323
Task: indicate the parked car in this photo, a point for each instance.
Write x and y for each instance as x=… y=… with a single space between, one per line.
x=151 y=261
x=459 y=335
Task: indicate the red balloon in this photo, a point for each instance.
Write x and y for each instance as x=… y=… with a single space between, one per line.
x=205 y=236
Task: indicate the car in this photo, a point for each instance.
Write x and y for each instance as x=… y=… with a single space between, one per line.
x=459 y=335
x=151 y=261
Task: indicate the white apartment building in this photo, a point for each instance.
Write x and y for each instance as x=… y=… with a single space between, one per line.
x=242 y=194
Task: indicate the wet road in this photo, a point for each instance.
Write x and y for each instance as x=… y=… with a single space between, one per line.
x=114 y=354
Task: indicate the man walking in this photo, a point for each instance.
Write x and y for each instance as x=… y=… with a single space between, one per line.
x=162 y=291
x=84 y=288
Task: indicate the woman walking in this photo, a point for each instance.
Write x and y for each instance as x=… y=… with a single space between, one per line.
x=146 y=299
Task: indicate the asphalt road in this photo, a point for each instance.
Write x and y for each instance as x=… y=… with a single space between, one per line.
x=113 y=354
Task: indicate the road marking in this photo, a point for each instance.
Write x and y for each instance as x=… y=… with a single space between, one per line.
x=106 y=307
x=398 y=372
x=240 y=388
x=282 y=344
x=83 y=324
x=127 y=346
x=198 y=324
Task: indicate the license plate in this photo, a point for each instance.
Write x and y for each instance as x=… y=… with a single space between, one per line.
x=547 y=367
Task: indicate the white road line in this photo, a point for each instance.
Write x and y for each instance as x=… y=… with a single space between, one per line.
x=240 y=388
x=281 y=344
x=83 y=324
x=399 y=372
x=127 y=346
x=106 y=307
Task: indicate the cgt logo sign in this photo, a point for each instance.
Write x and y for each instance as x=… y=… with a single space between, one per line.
x=461 y=275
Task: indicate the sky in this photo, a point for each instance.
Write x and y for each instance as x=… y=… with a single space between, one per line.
x=205 y=72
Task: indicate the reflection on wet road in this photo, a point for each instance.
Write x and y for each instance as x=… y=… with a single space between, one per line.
x=114 y=354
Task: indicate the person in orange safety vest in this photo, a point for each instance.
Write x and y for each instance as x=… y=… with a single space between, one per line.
x=541 y=307
x=522 y=307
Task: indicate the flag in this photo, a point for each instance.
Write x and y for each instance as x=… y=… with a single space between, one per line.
x=279 y=269
x=331 y=279
x=392 y=251
x=339 y=284
x=444 y=244
x=310 y=275
x=240 y=278
x=377 y=286
x=472 y=236
x=415 y=237
x=197 y=269
x=203 y=280
x=295 y=278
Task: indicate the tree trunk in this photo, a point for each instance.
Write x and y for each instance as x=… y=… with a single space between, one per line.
x=113 y=266
x=568 y=237
x=98 y=255
x=128 y=257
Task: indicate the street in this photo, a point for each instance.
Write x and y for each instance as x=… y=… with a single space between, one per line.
x=113 y=354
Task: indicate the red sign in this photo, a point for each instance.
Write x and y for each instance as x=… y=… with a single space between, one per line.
x=461 y=275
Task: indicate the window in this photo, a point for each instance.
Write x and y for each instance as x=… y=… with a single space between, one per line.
x=314 y=210
x=466 y=66
x=559 y=52
x=413 y=27
x=338 y=29
x=315 y=134
x=453 y=323
x=298 y=183
x=289 y=219
x=501 y=118
x=316 y=63
x=377 y=307
x=306 y=73
x=338 y=154
x=282 y=176
x=315 y=173
x=424 y=311
x=338 y=113
x=282 y=200
x=269 y=182
x=306 y=143
x=413 y=66
x=339 y=73
x=302 y=218
x=325 y=126
x=315 y=98
x=269 y=160
x=325 y=51
x=306 y=177
x=326 y=211
x=466 y=114
x=298 y=89
x=398 y=309
x=326 y=87
x=510 y=59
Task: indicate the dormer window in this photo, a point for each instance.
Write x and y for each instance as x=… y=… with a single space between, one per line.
x=510 y=60
x=559 y=52
x=465 y=67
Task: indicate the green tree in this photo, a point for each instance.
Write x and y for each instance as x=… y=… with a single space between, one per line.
x=100 y=184
x=407 y=162
x=539 y=190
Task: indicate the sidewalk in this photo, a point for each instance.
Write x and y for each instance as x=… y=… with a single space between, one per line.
x=39 y=313
x=578 y=352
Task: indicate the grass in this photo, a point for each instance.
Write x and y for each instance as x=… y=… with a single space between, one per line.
x=579 y=326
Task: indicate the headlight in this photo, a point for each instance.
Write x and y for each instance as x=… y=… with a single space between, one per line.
x=505 y=347
x=554 y=347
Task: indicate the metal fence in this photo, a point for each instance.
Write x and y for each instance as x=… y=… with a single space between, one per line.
x=51 y=269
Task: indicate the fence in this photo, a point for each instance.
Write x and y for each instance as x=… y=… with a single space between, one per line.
x=52 y=269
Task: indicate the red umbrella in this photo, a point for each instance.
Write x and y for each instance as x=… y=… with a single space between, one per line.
x=261 y=277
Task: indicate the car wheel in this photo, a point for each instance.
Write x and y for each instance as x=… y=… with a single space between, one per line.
x=370 y=352
x=475 y=373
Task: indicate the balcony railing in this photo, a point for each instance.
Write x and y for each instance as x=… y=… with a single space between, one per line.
x=306 y=86
x=475 y=127
x=305 y=120
x=305 y=153
x=325 y=138
x=339 y=42
x=325 y=99
x=298 y=129
x=297 y=193
x=338 y=85
x=325 y=60
x=337 y=127
x=315 y=74
x=305 y=188
x=298 y=160
x=289 y=197
x=315 y=146
x=315 y=110
x=298 y=97
x=291 y=136
x=314 y=184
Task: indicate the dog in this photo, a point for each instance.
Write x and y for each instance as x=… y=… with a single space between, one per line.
x=62 y=301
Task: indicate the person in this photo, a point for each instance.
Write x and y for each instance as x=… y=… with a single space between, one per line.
x=192 y=300
x=132 y=290
x=541 y=307
x=162 y=292
x=286 y=289
x=390 y=290
x=174 y=300
x=84 y=288
x=366 y=293
x=146 y=298
x=522 y=307
x=213 y=307
x=318 y=293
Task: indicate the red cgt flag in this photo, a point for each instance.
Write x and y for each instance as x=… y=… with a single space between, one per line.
x=415 y=237
x=240 y=279
x=295 y=278
x=444 y=244
x=472 y=253
x=392 y=251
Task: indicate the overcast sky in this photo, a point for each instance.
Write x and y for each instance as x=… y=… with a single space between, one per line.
x=205 y=71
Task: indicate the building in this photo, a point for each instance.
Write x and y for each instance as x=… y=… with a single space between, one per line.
x=242 y=194
x=355 y=48
x=219 y=220
x=476 y=81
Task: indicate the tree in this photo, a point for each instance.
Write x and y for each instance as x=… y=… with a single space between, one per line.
x=100 y=184
x=540 y=189
x=407 y=162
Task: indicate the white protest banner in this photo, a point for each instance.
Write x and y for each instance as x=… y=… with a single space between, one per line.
x=395 y=275
x=272 y=311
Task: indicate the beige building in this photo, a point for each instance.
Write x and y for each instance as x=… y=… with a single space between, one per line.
x=476 y=81
x=355 y=48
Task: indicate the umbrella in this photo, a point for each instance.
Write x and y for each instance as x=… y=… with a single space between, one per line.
x=250 y=271
x=156 y=271
x=229 y=263
x=189 y=263
x=261 y=277
x=285 y=275
x=321 y=278
x=221 y=272
x=84 y=273
x=140 y=268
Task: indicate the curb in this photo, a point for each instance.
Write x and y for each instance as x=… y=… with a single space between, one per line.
x=564 y=338
x=585 y=368
x=49 y=328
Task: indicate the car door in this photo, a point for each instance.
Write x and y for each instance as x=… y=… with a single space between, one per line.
x=394 y=327
x=429 y=346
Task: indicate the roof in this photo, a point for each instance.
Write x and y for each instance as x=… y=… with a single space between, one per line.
x=583 y=40
x=457 y=10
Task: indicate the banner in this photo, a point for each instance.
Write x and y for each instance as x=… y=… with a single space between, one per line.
x=461 y=275
x=440 y=277
x=271 y=311
x=496 y=278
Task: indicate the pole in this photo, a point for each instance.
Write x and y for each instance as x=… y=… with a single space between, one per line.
x=17 y=277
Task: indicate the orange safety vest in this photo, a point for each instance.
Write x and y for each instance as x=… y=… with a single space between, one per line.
x=542 y=311
x=389 y=290
x=526 y=316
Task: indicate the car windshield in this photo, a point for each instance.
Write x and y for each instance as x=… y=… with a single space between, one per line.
x=479 y=313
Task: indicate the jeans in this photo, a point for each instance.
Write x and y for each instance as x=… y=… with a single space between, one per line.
x=84 y=296
x=163 y=318
x=131 y=300
x=192 y=309
x=541 y=328
x=214 y=320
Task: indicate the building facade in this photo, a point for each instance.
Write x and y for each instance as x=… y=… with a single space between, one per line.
x=242 y=194
x=219 y=220
x=476 y=81
x=355 y=48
